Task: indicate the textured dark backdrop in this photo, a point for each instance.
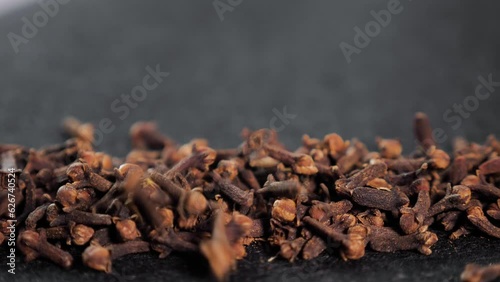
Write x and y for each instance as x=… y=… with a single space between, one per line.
x=228 y=74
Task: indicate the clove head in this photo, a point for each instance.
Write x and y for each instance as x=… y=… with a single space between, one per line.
x=426 y=239
x=389 y=148
x=334 y=145
x=305 y=165
x=440 y=159
x=227 y=169
x=463 y=194
x=284 y=210
x=127 y=229
x=67 y=196
x=195 y=202
x=81 y=234
x=98 y=258
x=76 y=172
x=354 y=246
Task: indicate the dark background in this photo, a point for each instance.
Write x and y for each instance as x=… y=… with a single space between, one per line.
x=228 y=74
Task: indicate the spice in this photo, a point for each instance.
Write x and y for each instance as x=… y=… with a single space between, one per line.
x=476 y=273
x=37 y=242
x=328 y=194
x=384 y=239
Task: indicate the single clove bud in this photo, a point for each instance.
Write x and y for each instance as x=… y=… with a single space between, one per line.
x=449 y=219
x=413 y=218
x=439 y=159
x=76 y=129
x=458 y=170
x=494 y=210
x=38 y=242
x=286 y=188
x=249 y=178
x=145 y=135
x=476 y=217
x=460 y=232
x=72 y=198
x=97 y=161
x=51 y=213
x=83 y=176
x=127 y=229
x=284 y=210
x=237 y=229
x=128 y=177
x=389 y=148
x=325 y=211
x=384 y=239
x=172 y=239
x=490 y=167
x=476 y=273
x=82 y=217
x=218 y=250
x=334 y=145
x=200 y=159
x=423 y=130
x=243 y=198
x=168 y=185
x=353 y=244
x=100 y=258
x=190 y=204
x=127 y=248
x=155 y=194
x=379 y=199
x=81 y=234
x=407 y=177
x=459 y=198
x=352 y=157
x=486 y=190
x=35 y=216
x=345 y=186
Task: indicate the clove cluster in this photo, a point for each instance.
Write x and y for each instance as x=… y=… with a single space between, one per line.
x=166 y=197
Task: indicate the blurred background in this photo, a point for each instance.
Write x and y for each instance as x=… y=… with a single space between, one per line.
x=237 y=63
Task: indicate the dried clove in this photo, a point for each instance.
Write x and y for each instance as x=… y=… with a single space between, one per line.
x=345 y=186
x=476 y=273
x=83 y=176
x=477 y=218
x=82 y=217
x=289 y=250
x=379 y=199
x=459 y=198
x=38 y=243
x=384 y=239
x=413 y=218
x=330 y=193
x=243 y=198
x=423 y=130
x=353 y=243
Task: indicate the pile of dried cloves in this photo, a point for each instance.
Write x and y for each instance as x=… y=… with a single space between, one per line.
x=165 y=197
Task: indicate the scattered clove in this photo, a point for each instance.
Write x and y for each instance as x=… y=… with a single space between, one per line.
x=476 y=273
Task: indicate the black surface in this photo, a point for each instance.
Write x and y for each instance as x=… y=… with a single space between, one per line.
x=230 y=74
x=445 y=264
